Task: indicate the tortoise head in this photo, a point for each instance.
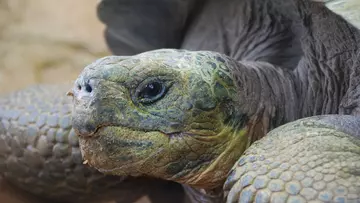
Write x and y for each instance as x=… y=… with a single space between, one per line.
x=166 y=113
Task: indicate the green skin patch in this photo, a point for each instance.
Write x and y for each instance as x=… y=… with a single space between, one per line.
x=166 y=113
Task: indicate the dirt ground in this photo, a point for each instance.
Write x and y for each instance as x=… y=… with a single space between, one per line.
x=46 y=41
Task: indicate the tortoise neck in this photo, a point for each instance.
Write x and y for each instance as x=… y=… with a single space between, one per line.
x=266 y=94
x=328 y=73
x=320 y=88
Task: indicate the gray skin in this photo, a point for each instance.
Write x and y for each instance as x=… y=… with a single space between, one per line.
x=214 y=107
x=244 y=30
x=268 y=39
x=36 y=139
x=40 y=154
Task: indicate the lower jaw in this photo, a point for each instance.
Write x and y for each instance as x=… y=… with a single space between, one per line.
x=97 y=158
x=112 y=154
x=94 y=153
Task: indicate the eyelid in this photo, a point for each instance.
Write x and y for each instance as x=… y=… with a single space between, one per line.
x=146 y=82
x=161 y=93
x=166 y=83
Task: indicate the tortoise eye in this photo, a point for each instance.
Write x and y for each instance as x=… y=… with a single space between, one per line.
x=150 y=92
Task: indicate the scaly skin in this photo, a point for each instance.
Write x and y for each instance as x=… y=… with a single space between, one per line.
x=39 y=152
x=278 y=49
x=322 y=165
x=185 y=116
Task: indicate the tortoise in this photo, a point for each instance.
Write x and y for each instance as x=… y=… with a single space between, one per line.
x=248 y=130
x=39 y=150
x=38 y=146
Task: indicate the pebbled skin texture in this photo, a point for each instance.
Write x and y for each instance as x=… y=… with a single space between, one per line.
x=39 y=152
x=323 y=164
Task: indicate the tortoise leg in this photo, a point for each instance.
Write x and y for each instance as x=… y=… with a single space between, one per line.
x=312 y=159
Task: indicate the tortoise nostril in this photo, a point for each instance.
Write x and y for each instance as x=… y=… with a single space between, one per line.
x=83 y=87
x=88 y=88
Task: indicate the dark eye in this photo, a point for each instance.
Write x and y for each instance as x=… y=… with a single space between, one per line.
x=151 y=92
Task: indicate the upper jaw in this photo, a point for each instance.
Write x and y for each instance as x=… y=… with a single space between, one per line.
x=85 y=95
x=83 y=120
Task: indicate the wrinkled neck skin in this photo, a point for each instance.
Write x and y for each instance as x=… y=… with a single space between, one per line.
x=324 y=81
x=328 y=74
x=266 y=94
x=272 y=96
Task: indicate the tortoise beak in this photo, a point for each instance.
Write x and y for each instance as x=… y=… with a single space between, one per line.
x=84 y=119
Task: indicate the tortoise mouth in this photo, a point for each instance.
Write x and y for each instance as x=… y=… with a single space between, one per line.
x=118 y=150
x=97 y=131
x=93 y=134
x=122 y=151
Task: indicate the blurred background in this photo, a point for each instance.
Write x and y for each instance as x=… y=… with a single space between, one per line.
x=47 y=41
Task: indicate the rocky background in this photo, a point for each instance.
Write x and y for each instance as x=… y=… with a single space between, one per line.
x=46 y=41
